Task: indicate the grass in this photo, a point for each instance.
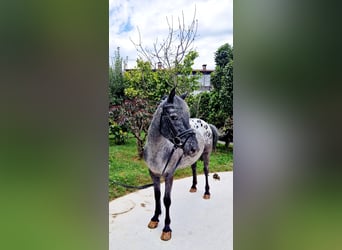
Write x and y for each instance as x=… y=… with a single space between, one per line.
x=125 y=167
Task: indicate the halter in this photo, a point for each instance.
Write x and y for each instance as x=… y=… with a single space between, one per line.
x=178 y=139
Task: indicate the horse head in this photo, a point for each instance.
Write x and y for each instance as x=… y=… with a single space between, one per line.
x=175 y=124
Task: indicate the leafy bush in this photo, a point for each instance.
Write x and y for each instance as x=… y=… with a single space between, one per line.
x=119 y=133
x=209 y=107
x=199 y=105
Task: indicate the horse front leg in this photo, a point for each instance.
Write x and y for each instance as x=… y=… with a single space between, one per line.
x=206 y=172
x=156 y=184
x=166 y=234
x=193 y=188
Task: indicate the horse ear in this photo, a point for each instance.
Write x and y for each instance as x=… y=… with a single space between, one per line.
x=171 y=95
x=183 y=96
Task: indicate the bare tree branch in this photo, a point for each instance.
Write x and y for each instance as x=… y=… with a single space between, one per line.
x=170 y=51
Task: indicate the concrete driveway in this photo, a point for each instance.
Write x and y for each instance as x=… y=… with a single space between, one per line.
x=196 y=223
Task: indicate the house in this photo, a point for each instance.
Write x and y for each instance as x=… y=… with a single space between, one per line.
x=204 y=80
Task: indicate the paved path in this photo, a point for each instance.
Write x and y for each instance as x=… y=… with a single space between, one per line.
x=196 y=223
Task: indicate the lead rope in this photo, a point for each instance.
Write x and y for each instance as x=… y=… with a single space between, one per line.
x=167 y=163
x=129 y=186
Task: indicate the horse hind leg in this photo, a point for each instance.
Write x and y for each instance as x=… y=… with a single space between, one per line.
x=206 y=173
x=193 y=188
x=156 y=184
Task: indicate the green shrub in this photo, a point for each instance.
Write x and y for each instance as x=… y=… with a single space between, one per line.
x=120 y=136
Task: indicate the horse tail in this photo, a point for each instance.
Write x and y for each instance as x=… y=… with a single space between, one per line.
x=215 y=135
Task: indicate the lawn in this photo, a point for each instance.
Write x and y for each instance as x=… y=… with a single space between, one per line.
x=125 y=167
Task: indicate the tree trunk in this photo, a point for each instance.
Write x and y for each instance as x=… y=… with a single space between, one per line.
x=140 y=148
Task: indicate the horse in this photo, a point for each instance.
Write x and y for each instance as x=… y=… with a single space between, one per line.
x=176 y=141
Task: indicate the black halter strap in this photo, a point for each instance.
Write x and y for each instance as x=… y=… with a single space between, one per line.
x=168 y=160
x=177 y=139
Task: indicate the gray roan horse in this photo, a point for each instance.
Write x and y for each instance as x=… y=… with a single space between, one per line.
x=176 y=141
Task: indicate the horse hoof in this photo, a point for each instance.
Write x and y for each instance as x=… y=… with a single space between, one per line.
x=206 y=196
x=165 y=236
x=193 y=190
x=152 y=224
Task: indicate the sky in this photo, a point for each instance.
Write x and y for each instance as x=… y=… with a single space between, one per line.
x=215 y=25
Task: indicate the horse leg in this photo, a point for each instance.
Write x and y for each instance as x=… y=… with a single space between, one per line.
x=193 y=188
x=206 y=172
x=156 y=183
x=166 y=234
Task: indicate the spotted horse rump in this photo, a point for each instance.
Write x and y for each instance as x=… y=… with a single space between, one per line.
x=203 y=128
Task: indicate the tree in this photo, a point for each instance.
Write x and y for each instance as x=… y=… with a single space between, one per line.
x=146 y=83
x=223 y=55
x=216 y=106
x=116 y=81
x=136 y=114
x=172 y=52
x=222 y=80
x=151 y=84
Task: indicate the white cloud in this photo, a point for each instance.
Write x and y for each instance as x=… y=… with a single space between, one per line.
x=215 y=25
